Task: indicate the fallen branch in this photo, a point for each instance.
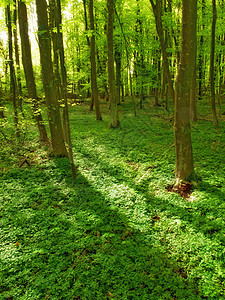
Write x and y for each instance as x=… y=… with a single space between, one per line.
x=25 y=162
x=164 y=118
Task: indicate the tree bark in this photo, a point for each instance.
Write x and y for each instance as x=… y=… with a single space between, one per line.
x=64 y=88
x=55 y=43
x=212 y=55
x=28 y=70
x=111 y=73
x=184 y=157
x=12 y=69
x=91 y=107
x=157 y=10
x=201 y=70
x=17 y=56
x=193 y=107
x=57 y=139
x=118 y=72
x=93 y=63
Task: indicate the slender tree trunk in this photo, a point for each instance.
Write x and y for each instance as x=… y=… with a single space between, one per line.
x=93 y=63
x=12 y=69
x=129 y=77
x=2 y=116
x=118 y=72
x=174 y=34
x=193 y=107
x=139 y=57
x=17 y=56
x=64 y=89
x=157 y=10
x=102 y=68
x=212 y=55
x=57 y=139
x=55 y=43
x=28 y=70
x=184 y=157
x=201 y=55
x=89 y=44
x=111 y=73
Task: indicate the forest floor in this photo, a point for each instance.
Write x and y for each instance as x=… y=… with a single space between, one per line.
x=117 y=232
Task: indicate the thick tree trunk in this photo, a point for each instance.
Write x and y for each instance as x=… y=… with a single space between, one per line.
x=212 y=54
x=111 y=73
x=28 y=70
x=184 y=157
x=93 y=63
x=57 y=139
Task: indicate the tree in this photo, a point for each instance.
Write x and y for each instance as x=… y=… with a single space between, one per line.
x=28 y=70
x=94 y=88
x=212 y=54
x=184 y=157
x=64 y=86
x=201 y=71
x=157 y=10
x=111 y=73
x=12 y=69
x=57 y=138
x=17 y=55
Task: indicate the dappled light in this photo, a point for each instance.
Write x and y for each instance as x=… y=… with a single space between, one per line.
x=112 y=165
x=117 y=222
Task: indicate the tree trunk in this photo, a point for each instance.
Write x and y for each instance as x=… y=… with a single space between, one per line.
x=91 y=107
x=12 y=69
x=157 y=10
x=17 y=56
x=57 y=139
x=2 y=116
x=28 y=70
x=55 y=44
x=201 y=72
x=184 y=157
x=193 y=108
x=212 y=54
x=93 y=63
x=118 y=72
x=111 y=73
x=64 y=89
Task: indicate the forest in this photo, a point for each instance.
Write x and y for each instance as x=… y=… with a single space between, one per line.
x=112 y=138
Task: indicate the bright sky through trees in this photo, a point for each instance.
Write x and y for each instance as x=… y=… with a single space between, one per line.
x=32 y=33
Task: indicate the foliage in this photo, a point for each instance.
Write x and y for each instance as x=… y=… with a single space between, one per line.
x=117 y=231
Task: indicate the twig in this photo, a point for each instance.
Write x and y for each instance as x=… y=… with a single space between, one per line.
x=167 y=150
x=167 y=119
x=25 y=162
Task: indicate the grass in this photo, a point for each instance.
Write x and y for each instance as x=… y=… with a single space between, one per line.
x=116 y=232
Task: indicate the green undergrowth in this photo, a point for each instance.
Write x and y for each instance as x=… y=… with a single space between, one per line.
x=116 y=232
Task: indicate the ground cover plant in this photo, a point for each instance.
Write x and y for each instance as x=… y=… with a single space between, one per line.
x=116 y=232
